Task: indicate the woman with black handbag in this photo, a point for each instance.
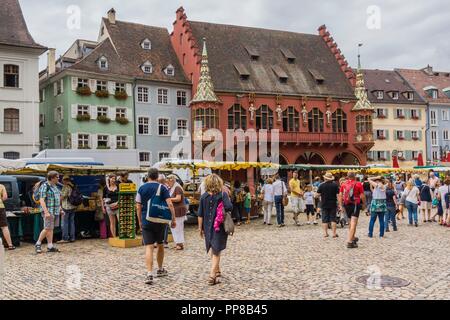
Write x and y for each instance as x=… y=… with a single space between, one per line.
x=213 y=222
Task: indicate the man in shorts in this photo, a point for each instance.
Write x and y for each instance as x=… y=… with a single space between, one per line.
x=328 y=192
x=352 y=200
x=4 y=219
x=50 y=202
x=153 y=232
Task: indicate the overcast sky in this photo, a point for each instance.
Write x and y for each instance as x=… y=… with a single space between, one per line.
x=395 y=33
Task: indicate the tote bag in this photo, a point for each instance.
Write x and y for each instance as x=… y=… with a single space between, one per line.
x=157 y=209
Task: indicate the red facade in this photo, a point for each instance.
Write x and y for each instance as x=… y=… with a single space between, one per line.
x=315 y=130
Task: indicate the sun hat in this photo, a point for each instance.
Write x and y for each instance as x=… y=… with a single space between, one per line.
x=328 y=177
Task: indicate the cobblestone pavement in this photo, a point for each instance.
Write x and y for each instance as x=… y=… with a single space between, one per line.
x=260 y=263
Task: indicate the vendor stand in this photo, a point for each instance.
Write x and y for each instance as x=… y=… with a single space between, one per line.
x=85 y=177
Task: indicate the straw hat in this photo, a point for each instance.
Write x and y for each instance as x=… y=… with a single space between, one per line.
x=328 y=177
x=66 y=177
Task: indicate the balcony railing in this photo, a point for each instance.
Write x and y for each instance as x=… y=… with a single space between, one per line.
x=311 y=137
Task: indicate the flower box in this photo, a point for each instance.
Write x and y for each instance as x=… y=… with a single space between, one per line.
x=103 y=119
x=122 y=120
x=381 y=116
x=401 y=116
x=415 y=138
x=84 y=91
x=415 y=117
x=122 y=148
x=401 y=138
x=83 y=117
x=102 y=93
x=103 y=148
x=381 y=137
x=401 y=158
x=121 y=95
x=84 y=148
x=382 y=159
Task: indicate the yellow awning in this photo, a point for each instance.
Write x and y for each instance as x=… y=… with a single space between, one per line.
x=42 y=169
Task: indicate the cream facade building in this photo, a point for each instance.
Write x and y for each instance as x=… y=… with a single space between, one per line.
x=399 y=120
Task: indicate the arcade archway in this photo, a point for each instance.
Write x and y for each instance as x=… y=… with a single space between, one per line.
x=346 y=158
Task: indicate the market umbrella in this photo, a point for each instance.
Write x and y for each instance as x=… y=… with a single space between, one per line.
x=420 y=160
x=448 y=157
x=395 y=162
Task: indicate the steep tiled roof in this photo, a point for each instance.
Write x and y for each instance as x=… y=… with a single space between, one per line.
x=420 y=79
x=13 y=28
x=127 y=38
x=231 y=46
x=388 y=81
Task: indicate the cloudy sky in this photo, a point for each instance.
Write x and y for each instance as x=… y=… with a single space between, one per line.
x=395 y=33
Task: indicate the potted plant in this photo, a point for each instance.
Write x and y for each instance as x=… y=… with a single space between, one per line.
x=84 y=91
x=401 y=138
x=121 y=95
x=83 y=117
x=122 y=120
x=103 y=148
x=381 y=116
x=103 y=119
x=102 y=93
x=415 y=138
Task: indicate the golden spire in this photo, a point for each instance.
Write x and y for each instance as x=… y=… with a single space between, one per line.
x=205 y=87
x=360 y=90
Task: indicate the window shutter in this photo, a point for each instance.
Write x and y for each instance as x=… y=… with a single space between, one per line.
x=408 y=155
x=386 y=134
x=54 y=115
x=129 y=89
x=93 y=85
x=62 y=85
x=74 y=111
x=375 y=135
x=370 y=155
x=396 y=113
x=408 y=135
x=385 y=112
x=395 y=135
x=55 y=89
x=113 y=140
x=420 y=114
x=375 y=114
x=74 y=83
x=375 y=155
x=74 y=140
x=130 y=142
x=129 y=114
x=93 y=141
x=112 y=113
x=111 y=87
x=419 y=134
x=93 y=112
x=388 y=155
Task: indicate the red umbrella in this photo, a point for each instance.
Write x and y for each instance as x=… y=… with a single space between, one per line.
x=395 y=162
x=448 y=157
x=420 y=160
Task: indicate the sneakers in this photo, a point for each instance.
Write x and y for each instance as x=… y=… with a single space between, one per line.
x=308 y=223
x=52 y=250
x=315 y=223
x=162 y=273
x=416 y=224
x=149 y=279
x=38 y=248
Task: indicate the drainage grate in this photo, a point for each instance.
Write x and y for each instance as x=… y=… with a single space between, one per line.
x=384 y=281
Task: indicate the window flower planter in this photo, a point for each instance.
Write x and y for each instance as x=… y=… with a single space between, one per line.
x=84 y=91
x=122 y=148
x=121 y=95
x=381 y=138
x=103 y=119
x=103 y=148
x=402 y=159
x=415 y=138
x=83 y=117
x=381 y=116
x=102 y=93
x=84 y=148
x=383 y=159
x=122 y=120
x=401 y=116
x=415 y=117
x=401 y=138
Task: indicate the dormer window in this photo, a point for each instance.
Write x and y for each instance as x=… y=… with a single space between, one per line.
x=243 y=72
x=288 y=55
x=170 y=70
x=147 y=67
x=253 y=52
x=318 y=77
x=409 y=95
x=394 y=95
x=103 y=63
x=282 y=76
x=146 y=44
x=432 y=92
x=447 y=92
x=379 y=95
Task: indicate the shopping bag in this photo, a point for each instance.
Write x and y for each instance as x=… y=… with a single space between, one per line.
x=157 y=209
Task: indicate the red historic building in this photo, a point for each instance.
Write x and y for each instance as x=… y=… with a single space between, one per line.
x=255 y=78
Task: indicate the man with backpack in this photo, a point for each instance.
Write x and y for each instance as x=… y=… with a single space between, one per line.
x=352 y=200
x=153 y=232
x=49 y=198
x=71 y=199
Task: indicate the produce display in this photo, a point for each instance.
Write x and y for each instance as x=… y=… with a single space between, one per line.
x=127 y=211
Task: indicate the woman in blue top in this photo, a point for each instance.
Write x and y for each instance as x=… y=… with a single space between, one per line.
x=215 y=241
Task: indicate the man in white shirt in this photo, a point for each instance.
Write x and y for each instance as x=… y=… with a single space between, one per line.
x=279 y=191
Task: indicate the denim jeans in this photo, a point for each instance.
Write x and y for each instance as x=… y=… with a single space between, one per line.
x=412 y=212
x=390 y=217
x=68 y=226
x=368 y=195
x=280 y=209
x=373 y=218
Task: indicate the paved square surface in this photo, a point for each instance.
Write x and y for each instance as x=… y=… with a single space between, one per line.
x=260 y=263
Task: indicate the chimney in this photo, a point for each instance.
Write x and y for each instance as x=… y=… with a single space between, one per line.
x=51 y=61
x=112 y=16
x=428 y=70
